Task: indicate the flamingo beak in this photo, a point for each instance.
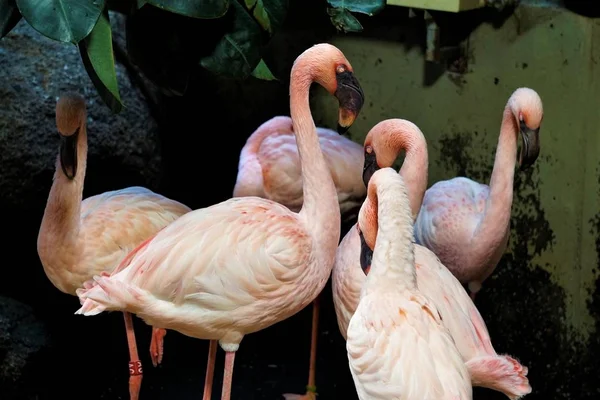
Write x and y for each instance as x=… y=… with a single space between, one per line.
x=531 y=146
x=351 y=98
x=370 y=166
x=68 y=154
x=366 y=255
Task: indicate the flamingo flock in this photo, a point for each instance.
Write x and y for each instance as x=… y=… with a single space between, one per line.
x=222 y=272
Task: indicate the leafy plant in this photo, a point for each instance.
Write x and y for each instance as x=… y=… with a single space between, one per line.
x=167 y=39
x=341 y=11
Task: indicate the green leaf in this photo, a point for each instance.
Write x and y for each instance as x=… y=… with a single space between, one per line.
x=62 y=20
x=9 y=16
x=99 y=61
x=270 y=14
x=263 y=72
x=204 y=9
x=238 y=52
x=343 y=20
x=369 y=7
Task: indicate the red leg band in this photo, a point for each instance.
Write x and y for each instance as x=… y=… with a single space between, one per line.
x=135 y=368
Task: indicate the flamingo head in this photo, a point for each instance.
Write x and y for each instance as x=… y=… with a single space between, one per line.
x=526 y=106
x=332 y=70
x=70 y=117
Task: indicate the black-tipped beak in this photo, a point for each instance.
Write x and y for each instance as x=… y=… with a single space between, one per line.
x=366 y=254
x=351 y=98
x=68 y=154
x=531 y=146
x=369 y=167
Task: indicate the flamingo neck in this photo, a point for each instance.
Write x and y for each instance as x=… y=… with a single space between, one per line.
x=321 y=211
x=499 y=202
x=386 y=215
x=61 y=221
x=414 y=170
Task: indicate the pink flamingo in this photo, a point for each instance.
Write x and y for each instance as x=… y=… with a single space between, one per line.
x=467 y=224
x=242 y=265
x=459 y=314
x=398 y=347
x=270 y=168
x=79 y=239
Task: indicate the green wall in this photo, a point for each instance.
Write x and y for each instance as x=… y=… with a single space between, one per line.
x=539 y=304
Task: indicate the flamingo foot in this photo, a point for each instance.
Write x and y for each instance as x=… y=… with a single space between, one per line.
x=311 y=394
x=157 y=345
x=135 y=379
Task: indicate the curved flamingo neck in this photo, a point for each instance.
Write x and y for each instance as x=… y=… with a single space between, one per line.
x=498 y=205
x=385 y=220
x=61 y=221
x=320 y=210
x=414 y=169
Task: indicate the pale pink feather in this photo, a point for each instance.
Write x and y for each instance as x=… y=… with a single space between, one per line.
x=269 y=166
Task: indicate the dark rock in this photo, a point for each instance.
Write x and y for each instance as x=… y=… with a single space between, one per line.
x=22 y=336
x=34 y=72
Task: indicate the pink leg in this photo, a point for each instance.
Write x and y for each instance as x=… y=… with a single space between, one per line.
x=157 y=345
x=135 y=365
x=210 y=370
x=228 y=375
x=311 y=388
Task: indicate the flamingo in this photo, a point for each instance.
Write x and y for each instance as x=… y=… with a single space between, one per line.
x=269 y=167
x=459 y=314
x=398 y=347
x=240 y=266
x=467 y=224
x=79 y=239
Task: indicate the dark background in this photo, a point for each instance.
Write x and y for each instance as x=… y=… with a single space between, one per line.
x=170 y=145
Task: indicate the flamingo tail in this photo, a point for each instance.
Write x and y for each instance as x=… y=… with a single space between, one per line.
x=500 y=372
x=110 y=294
x=95 y=300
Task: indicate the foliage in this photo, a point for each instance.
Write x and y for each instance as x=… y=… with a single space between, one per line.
x=341 y=11
x=168 y=39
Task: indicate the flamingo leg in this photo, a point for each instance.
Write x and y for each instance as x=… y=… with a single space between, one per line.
x=135 y=365
x=157 y=345
x=311 y=388
x=210 y=370
x=228 y=375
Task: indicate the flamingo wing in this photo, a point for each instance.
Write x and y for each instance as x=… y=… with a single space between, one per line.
x=113 y=223
x=347 y=279
x=398 y=348
x=223 y=257
x=459 y=314
x=282 y=175
x=450 y=214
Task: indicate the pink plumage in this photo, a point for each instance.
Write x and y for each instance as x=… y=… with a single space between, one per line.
x=435 y=281
x=467 y=224
x=242 y=265
x=80 y=239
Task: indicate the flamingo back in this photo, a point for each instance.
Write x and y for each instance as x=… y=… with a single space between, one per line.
x=282 y=175
x=238 y=265
x=398 y=348
x=459 y=314
x=450 y=214
x=112 y=224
